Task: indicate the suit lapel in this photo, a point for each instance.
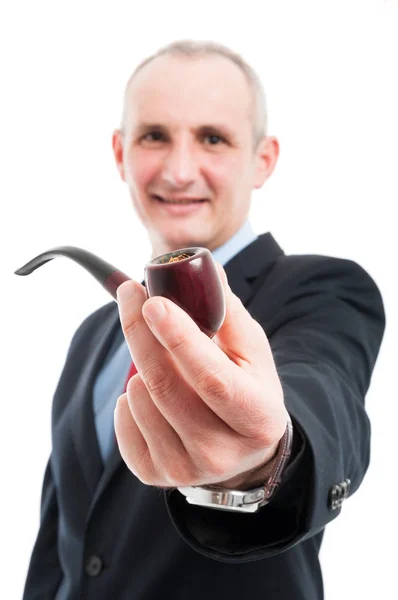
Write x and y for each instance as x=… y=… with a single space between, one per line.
x=243 y=271
x=81 y=411
x=111 y=466
x=250 y=265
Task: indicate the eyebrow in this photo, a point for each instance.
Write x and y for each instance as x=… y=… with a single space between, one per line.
x=215 y=128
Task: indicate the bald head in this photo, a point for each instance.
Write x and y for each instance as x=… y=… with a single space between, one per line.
x=184 y=85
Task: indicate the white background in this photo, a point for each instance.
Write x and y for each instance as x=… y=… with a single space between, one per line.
x=330 y=74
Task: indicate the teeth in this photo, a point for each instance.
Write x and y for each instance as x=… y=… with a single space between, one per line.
x=178 y=201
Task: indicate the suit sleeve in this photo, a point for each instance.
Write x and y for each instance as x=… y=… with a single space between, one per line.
x=44 y=573
x=325 y=332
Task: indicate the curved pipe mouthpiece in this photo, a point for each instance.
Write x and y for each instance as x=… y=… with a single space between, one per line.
x=106 y=274
x=188 y=277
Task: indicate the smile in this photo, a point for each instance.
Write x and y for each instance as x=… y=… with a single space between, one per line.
x=190 y=201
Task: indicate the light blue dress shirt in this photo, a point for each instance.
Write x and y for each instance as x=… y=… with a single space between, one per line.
x=110 y=381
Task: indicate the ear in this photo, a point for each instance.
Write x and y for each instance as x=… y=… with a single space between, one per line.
x=266 y=157
x=118 y=149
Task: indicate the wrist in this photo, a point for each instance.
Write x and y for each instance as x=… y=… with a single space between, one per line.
x=256 y=495
x=254 y=477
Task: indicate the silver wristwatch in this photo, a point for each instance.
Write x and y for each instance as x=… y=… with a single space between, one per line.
x=247 y=501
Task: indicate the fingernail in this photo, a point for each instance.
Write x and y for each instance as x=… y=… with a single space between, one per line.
x=125 y=291
x=154 y=311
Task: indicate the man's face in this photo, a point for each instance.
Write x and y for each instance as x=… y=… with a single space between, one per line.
x=188 y=137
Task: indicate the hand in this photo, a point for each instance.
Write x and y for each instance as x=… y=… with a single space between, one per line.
x=199 y=410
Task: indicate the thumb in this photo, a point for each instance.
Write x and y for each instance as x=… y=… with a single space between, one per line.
x=241 y=337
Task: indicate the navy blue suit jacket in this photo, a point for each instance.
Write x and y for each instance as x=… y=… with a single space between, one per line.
x=104 y=534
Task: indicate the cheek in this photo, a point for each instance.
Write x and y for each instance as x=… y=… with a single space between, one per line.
x=225 y=173
x=141 y=168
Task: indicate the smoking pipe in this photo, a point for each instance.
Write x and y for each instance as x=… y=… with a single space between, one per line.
x=187 y=276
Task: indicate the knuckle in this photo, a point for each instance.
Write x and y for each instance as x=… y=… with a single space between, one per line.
x=217 y=463
x=211 y=382
x=145 y=478
x=257 y=435
x=176 y=342
x=121 y=401
x=254 y=443
x=159 y=382
x=146 y=472
x=263 y=434
x=180 y=473
x=130 y=328
x=135 y=385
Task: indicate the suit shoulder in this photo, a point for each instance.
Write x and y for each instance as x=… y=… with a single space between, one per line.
x=323 y=268
x=99 y=314
x=92 y=322
x=298 y=276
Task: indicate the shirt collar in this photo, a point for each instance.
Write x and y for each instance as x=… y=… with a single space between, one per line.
x=235 y=244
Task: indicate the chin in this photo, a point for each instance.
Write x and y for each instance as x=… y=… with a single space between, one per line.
x=185 y=240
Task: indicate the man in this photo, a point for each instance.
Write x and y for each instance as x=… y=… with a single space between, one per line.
x=299 y=342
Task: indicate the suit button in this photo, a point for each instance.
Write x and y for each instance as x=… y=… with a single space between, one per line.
x=94 y=565
x=336 y=497
x=346 y=487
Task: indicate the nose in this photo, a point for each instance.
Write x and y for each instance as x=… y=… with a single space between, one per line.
x=180 y=166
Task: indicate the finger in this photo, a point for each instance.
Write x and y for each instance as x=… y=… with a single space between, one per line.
x=147 y=352
x=157 y=457
x=131 y=296
x=227 y=389
x=169 y=457
x=174 y=397
x=241 y=337
x=132 y=445
x=190 y=444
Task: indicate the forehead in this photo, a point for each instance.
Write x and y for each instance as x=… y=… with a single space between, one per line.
x=187 y=91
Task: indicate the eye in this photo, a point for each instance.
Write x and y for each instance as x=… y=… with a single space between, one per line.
x=214 y=137
x=156 y=134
